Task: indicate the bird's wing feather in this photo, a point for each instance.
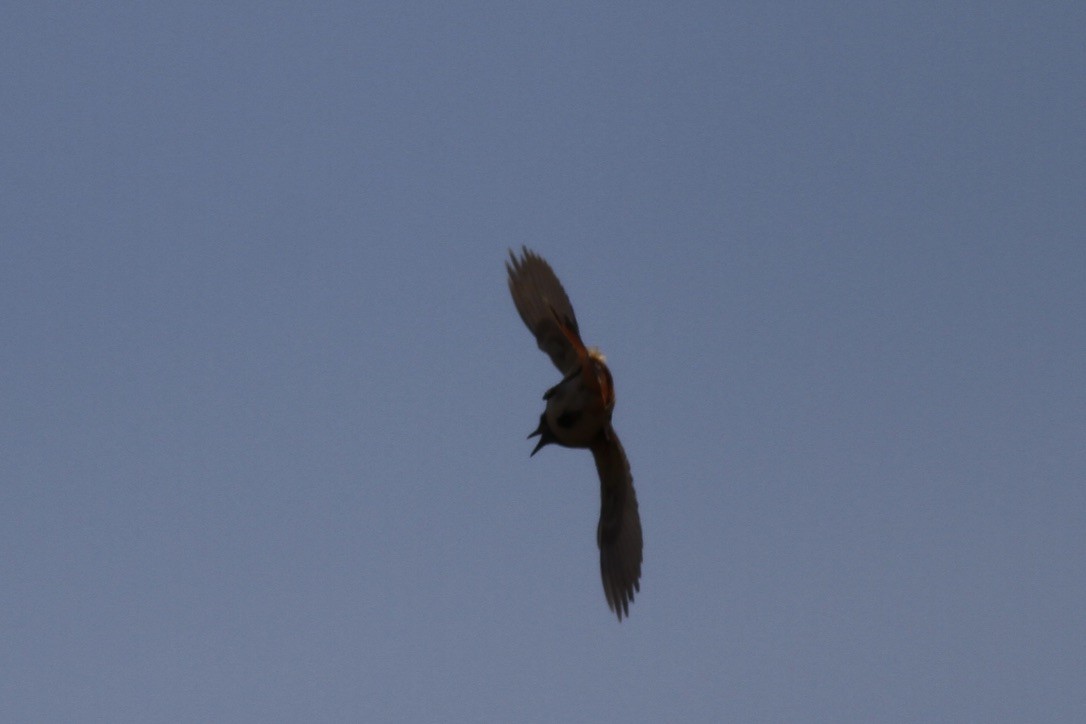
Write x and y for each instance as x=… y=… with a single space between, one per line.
x=545 y=308
x=619 y=531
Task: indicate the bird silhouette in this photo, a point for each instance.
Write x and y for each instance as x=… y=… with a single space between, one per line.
x=578 y=415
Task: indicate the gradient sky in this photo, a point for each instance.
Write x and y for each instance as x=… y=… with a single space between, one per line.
x=265 y=394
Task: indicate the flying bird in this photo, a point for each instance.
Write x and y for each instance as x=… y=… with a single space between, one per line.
x=578 y=415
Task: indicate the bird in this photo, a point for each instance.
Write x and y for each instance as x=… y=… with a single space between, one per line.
x=578 y=415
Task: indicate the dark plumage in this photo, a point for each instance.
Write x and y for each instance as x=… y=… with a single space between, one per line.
x=578 y=415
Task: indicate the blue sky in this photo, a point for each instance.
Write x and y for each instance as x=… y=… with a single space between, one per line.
x=262 y=456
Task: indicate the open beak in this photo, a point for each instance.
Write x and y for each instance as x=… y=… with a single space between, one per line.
x=544 y=433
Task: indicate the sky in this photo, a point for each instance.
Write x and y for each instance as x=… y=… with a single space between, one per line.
x=265 y=394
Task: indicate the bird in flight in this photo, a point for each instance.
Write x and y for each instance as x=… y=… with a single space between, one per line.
x=578 y=415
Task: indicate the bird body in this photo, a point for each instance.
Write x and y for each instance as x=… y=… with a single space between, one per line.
x=578 y=415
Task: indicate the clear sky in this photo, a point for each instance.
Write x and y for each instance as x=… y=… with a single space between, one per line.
x=265 y=394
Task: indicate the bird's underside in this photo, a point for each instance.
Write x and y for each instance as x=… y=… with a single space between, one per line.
x=578 y=415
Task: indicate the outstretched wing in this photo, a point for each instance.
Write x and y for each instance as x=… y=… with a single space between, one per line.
x=619 y=531
x=544 y=307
